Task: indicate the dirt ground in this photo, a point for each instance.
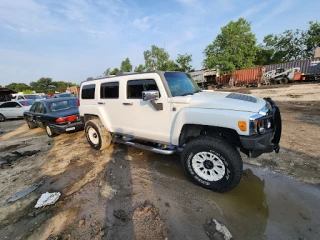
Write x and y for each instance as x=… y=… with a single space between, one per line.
x=126 y=193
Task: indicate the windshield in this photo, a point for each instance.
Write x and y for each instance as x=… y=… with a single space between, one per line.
x=26 y=102
x=64 y=95
x=32 y=96
x=63 y=105
x=181 y=84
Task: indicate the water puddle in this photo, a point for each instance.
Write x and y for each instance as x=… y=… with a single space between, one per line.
x=265 y=205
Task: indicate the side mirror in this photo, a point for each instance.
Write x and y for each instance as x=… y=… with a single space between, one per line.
x=150 y=95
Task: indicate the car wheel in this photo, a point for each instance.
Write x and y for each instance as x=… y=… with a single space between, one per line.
x=50 y=132
x=31 y=125
x=212 y=163
x=97 y=135
x=2 y=118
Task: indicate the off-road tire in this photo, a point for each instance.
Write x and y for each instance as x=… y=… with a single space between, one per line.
x=227 y=154
x=284 y=80
x=31 y=125
x=103 y=135
x=2 y=118
x=49 y=131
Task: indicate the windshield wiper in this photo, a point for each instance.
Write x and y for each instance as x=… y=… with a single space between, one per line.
x=185 y=94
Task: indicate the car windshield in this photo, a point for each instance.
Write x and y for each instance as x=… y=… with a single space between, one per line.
x=63 y=105
x=32 y=96
x=26 y=102
x=181 y=84
x=64 y=95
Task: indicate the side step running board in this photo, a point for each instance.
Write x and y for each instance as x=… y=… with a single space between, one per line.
x=145 y=147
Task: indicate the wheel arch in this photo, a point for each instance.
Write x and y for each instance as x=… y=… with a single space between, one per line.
x=191 y=131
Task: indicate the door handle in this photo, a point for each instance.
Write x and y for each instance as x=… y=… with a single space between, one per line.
x=127 y=103
x=102 y=103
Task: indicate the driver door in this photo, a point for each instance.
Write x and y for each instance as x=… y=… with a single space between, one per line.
x=139 y=118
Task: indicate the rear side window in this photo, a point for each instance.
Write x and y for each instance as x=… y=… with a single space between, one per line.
x=109 y=90
x=136 y=87
x=88 y=91
x=10 y=105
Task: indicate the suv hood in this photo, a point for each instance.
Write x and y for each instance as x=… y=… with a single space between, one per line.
x=223 y=101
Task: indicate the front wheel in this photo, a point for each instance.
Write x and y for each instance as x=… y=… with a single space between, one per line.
x=212 y=163
x=97 y=135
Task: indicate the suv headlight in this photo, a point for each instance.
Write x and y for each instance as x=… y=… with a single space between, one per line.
x=261 y=122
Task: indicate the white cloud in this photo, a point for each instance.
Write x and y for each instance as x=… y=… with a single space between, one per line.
x=277 y=10
x=143 y=23
x=253 y=10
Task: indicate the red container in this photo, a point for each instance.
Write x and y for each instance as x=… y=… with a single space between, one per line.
x=242 y=77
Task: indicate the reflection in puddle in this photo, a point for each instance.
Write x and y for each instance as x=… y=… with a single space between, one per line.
x=265 y=205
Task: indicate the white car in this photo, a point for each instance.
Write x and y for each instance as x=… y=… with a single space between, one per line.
x=166 y=112
x=27 y=97
x=14 y=109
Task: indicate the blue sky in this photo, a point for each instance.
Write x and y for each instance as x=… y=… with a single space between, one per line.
x=71 y=40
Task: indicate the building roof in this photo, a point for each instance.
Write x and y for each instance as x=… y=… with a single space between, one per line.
x=7 y=91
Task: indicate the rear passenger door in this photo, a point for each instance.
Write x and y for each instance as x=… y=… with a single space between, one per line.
x=109 y=103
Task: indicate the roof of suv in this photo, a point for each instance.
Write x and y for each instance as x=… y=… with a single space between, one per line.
x=123 y=74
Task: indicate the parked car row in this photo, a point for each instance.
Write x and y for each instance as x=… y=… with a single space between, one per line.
x=55 y=115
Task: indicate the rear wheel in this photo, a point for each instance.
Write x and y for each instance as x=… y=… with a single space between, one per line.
x=2 y=118
x=50 y=133
x=97 y=135
x=212 y=163
x=31 y=125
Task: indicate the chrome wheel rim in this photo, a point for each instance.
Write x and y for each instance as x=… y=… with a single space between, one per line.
x=48 y=130
x=208 y=166
x=1 y=118
x=93 y=136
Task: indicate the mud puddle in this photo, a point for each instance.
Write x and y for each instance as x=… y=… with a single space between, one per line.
x=265 y=205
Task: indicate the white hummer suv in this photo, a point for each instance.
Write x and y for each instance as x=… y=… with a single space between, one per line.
x=166 y=112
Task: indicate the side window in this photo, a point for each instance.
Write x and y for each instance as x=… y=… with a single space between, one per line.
x=136 y=87
x=109 y=90
x=5 y=105
x=20 y=98
x=37 y=108
x=88 y=91
x=41 y=108
x=33 y=107
x=10 y=105
x=16 y=105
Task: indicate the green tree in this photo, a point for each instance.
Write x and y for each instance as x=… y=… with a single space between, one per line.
x=156 y=59
x=107 y=72
x=43 y=85
x=184 y=62
x=312 y=38
x=234 y=48
x=61 y=86
x=27 y=91
x=287 y=46
x=19 y=87
x=139 y=68
x=172 y=66
x=114 y=71
x=126 y=66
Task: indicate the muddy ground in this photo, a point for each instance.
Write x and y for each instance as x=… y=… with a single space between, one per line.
x=126 y=193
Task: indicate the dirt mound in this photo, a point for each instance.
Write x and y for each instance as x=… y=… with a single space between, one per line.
x=147 y=223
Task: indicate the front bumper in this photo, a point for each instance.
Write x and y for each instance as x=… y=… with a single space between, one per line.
x=255 y=145
x=71 y=127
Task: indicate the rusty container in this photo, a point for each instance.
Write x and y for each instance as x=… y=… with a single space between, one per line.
x=247 y=76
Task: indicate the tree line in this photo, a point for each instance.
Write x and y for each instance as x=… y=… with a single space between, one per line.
x=234 y=48
x=156 y=58
x=43 y=85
